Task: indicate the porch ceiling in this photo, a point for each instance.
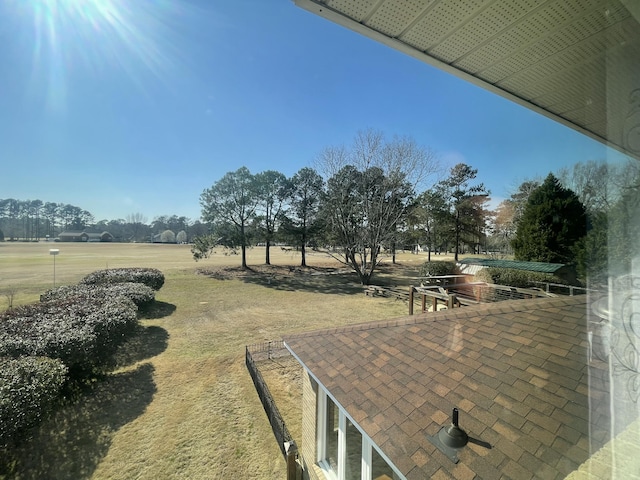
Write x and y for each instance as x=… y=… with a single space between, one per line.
x=575 y=61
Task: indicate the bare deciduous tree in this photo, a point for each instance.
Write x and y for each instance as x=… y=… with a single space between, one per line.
x=369 y=188
x=593 y=182
x=10 y=294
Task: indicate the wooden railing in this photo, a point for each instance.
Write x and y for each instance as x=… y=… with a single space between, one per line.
x=464 y=294
x=573 y=290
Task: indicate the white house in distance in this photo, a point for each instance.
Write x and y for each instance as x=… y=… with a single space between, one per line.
x=545 y=388
x=84 y=236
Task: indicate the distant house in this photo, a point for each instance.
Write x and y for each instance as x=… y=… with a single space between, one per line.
x=85 y=236
x=527 y=376
x=166 y=236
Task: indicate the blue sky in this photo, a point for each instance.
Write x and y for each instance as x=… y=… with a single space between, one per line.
x=123 y=107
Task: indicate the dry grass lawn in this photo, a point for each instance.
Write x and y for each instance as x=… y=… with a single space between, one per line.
x=183 y=405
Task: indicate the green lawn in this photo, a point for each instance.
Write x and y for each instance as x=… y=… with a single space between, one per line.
x=183 y=404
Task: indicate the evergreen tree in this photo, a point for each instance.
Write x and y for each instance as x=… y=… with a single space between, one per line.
x=230 y=206
x=464 y=203
x=302 y=221
x=553 y=222
x=272 y=189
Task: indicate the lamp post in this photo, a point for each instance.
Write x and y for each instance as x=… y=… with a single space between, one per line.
x=54 y=252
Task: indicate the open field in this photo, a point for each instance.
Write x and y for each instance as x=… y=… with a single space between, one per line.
x=183 y=404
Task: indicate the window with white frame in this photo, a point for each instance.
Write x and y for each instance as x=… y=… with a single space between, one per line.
x=344 y=453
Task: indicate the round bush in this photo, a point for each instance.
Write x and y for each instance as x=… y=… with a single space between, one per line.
x=152 y=277
x=140 y=294
x=83 y=333
x=29 y=387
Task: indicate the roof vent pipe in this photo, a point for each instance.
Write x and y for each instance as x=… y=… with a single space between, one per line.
x=452 y=438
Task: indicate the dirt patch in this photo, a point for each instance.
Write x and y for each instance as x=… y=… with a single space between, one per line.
x=267 y=272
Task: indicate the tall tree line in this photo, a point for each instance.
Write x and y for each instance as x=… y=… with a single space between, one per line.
x=361 y=203
x=364 y=200
x=32 y=220
x=35 y=219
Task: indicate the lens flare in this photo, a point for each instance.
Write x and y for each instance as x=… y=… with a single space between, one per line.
x=95 y=37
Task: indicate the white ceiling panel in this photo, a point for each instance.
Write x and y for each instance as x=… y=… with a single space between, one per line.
x=442 y=19
x=357 y=10
x=392 y=21
x=576 y=61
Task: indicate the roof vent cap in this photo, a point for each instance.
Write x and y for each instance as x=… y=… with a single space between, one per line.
x=452 y=438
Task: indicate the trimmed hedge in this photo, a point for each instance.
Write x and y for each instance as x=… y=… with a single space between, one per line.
x=152 y=277
x=515 y=278
x=29 y=388
x=138 y=293
x=438 y=268
x=71 y=334
x=81 y=332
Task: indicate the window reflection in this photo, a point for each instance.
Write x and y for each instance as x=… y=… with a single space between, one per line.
x=353 y=461
x=380 y=469
x=331 y=435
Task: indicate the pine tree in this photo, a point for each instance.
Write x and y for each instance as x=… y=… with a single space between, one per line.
x=553 y=222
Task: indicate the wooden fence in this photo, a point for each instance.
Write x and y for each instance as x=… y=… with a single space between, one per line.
x=268 y=350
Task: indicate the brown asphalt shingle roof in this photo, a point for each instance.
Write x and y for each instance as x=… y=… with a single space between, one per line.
x=518 y=371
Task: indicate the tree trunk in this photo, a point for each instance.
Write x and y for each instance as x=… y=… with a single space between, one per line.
x=244 y=249
x=244 y=257
x=365 y=276
x=303 y=262
x=457 y=246
x=267 y=258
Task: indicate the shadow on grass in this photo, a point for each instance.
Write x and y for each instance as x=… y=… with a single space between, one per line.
x=310 y=279
x=71 y=443
x=145 y=343
x=157 y=310
x=329 y=280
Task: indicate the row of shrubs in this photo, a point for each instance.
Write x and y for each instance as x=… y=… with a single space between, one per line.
x=497 y=276
x=516 y=278
x=69 y=337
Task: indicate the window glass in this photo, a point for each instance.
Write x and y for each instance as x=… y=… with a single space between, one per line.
x=353 y=460
x=331 y=435
x=380 y=469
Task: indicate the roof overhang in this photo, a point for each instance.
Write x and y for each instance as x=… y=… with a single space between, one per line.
x=574 y=61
